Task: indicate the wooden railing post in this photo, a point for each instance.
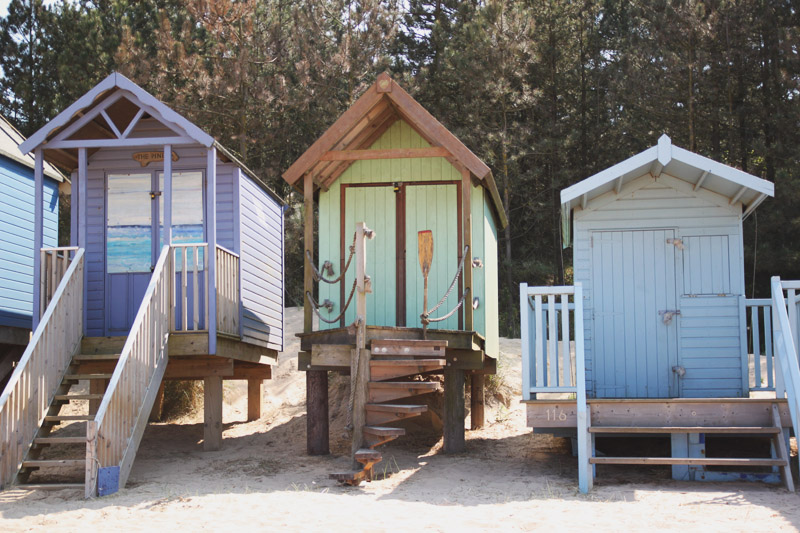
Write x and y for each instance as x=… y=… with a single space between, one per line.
x=361 y=356
x=585 y=448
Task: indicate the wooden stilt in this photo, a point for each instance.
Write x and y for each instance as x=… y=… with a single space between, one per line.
x=477 y=400
x=453 y=410
x=212 y=413
x=96 y=386
x=253 y=399
x=158 y=404
x=317 y=439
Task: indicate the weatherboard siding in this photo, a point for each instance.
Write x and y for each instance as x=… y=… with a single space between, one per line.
x=16 y=239
x=708 y=333
x=261 y=237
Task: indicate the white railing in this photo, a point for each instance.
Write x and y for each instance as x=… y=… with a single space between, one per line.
x=114 y=435
x=228 y=290
x=758 y=345
x=548 y=325
x=785 y=343
x=548 y=363
x=189 y=268
x=27 y=396
x=55 y=262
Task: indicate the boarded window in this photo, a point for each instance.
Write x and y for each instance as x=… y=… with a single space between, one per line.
x=706 y=265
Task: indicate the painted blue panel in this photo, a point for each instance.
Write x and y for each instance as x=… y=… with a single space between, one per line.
x=16 y=239
x=225 y=206
x=261 y=243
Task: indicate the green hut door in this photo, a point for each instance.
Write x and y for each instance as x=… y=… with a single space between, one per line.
x=397 y=212
x=435 y=208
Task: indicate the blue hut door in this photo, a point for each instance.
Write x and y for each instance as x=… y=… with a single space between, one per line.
x=634 y=284
x=131 y=243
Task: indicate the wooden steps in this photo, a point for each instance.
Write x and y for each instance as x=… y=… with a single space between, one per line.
x=84 y=357
x=51 y=486
x=368 y=458
x=47 y=441
x=386 y=391
x=76 y=397
x=406 y=348
x=53 y=463
x=385 y=413
x=55 y=419
x=385 y=369
x=84 y=377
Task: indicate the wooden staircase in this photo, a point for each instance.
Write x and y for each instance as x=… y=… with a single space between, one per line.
x=772 y=432
x=391 y=361
x=57 y=457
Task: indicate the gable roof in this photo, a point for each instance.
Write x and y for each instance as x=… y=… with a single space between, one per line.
x=366 y=120
x=118 y=108
x=10 y=139
x=666 y=158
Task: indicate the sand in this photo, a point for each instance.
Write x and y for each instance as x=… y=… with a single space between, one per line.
x=507 y=480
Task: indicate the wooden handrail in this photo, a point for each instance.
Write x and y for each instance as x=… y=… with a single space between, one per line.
x=785 y=348
x=228 y=292
x=35 y=380
x=55 y=262
x=114 y=435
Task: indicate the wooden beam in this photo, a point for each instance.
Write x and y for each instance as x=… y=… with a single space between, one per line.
x=454 y=441
x=477 y=401
x=317 y=437
x=364 y=141
x=211 y=252
x=38 y=229
x=158 y=404
x=212 y=413
x=700 y=181
x=253 y=399
x=120 y=143
x=466 y=211
x=393 y=153
x=739 y=194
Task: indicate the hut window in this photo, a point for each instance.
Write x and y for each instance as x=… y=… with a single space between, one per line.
x=129 y=223
x=187 y=211
x=706 y=265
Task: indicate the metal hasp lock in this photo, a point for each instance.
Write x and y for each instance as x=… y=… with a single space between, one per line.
x=667 y=315
x=679 y=370
x=677 y=243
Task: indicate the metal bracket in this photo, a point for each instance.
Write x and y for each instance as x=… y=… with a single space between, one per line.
x=477 y=263
x=677 y=243
x=679 y=370
x=328 y=305
x=327 y=267
x=667 y=315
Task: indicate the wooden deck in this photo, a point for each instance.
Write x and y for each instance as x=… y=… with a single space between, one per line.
x=557 y=415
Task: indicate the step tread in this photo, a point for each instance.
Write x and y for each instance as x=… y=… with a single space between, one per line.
x=430 y=385
x=51 y=463
x=96 y=357
x=384 y=431
x=51 y=486
x=59 y=440
x=708 y=461
x=65 y=418
x=396 y=408
x=86 y=376
x=409 y=342
x=408 y=362
x=367 y=454
x=71 y=397
x=767 y=430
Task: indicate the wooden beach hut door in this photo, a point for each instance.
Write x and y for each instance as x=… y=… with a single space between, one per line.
x=634 y=285
x=397 y=212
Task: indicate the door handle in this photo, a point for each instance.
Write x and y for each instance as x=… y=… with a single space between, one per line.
x=667 y=315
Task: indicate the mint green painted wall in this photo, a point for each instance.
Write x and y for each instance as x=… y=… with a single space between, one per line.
x=435 y=208
x=491 y=273
x=478 y=274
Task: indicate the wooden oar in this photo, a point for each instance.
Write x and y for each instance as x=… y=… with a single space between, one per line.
x=425 y=251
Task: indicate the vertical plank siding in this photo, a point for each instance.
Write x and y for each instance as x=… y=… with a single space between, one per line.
x=705 y=267
x=27 y=396
x=261 y=261
x=227 y=292
x=17 y=242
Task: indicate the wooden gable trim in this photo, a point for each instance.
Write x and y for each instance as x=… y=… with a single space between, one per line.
x=393 y=153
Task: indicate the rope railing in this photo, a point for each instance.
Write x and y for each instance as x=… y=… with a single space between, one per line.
x=316 y=305
x=318 y=276
x=425 y=316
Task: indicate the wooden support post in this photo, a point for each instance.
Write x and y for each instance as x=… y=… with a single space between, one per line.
x=466 y=198
x=167 y=198
x=211 y=252
x=96 y=386
x=477 y=400
x=317 y=438
x=83 y=230
x=361 y=356
x=308 y=243
x=158 y=404
x=254 y=399
x=38 y=229
x=453 y=410
x=212 y=413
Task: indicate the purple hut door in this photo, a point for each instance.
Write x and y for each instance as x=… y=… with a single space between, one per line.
x=132 y=210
